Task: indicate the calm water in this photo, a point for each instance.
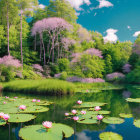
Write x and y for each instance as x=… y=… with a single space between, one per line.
x=116 y=104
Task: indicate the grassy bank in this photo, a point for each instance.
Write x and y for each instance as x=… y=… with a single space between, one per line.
x=46 y=87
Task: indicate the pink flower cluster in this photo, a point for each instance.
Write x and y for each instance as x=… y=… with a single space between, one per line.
x=114 y=76
x=85 y=80
x=4 y=116
x=67 y=42
x=38 y=67
x=127 y=68
x=34 y=100
x=10 y=61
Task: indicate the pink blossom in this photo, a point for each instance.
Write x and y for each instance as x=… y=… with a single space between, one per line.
x=6 y=97
x=15 y=97
x=75 y=118
x=6 y=117
x=114 y=76
x=97 y=108
x=4 y=102
x=22 y=107
x=79 y=102
x=127 y=68
x=87 y=90
x=38 y=67
x=66 y=114
x=74 y=111
x=99 y=117
x=38 y=101
x=1 y=115
x=83 y=112
x=47 y=124
x=34 y=100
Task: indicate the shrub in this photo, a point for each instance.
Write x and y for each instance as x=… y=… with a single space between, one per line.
x=63 y=64
x=63 y=75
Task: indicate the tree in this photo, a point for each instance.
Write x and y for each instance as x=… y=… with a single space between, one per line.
x=108 y=62
x=26 y=7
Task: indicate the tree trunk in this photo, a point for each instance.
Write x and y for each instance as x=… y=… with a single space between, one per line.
x=21 y=37
x=8 y=29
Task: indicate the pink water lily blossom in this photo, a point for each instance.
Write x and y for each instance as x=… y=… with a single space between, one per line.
x=97 y=108
x=15 y=97
x=87 y=90
x=99 y=117
x=22 y=107
x=83 y=112
x=34 y=100
x=79 y=102
x=47 y=124
x=74 y=111
x=4 y=102
x=6 y=97
x=6 y=117
x=66 y=114
x=38 y=101
x=75 y=118
x=1 y=115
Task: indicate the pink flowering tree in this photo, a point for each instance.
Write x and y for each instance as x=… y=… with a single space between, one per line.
x=127 y=68
x=53 y=27
x=114 y=76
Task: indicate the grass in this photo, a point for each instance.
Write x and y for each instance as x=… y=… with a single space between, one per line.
x=46 y=87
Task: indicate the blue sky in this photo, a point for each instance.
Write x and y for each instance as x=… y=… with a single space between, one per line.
x=100 y=15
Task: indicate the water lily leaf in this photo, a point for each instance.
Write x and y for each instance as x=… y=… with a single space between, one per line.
x=136 y=100
x=137 y=123
x=123 y=115
x=113 y=120
x=36 y=132
x=44 y=103
x=17 y=118
x=110 y=136
x=89 y=105
x=2 y=122
x=88 y=121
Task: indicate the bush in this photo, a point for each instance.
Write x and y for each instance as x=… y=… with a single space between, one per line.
x=63 y=64
x=63 y=75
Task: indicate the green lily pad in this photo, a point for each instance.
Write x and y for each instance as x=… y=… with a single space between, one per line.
x=89 y=105
x=2 y=122
x=137 y=123
x=110 y=136
x=36 y=132
x=123 y=115
x=136 y=100
x=113 y=120
x=88 y=121
x=17 y=118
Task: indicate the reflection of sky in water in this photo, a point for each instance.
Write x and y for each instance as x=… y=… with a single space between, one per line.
x=116 y=104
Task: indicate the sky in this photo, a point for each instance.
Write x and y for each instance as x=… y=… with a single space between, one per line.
x=114 y=19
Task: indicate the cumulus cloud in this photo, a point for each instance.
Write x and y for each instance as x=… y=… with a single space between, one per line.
x=82 y=136
x=41 y=6
x=105 y=3
x=111 y=36
x=77 y=3
x=136 y=34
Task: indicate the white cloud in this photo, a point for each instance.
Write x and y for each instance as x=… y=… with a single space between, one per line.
x=105 y=3
x=128 y=27
x=136 y=34
x=111 y=36
x=41 y=6
x=82 y=136
x=77 y=3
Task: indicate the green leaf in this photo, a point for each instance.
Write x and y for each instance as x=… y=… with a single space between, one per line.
x=113 y=120
x=123 y=115
x=2 y=122
x=17 y=118
x=110 y=136
x=88 y=121
x=36 y=132
x=136 y=100
x=137 y=123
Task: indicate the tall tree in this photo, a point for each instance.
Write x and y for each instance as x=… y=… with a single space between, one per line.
x=26 y=8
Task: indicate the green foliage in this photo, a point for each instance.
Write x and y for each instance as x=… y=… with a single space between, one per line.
x=63 y=64
x=63 y=75
x=108 y=62
x=113 y=120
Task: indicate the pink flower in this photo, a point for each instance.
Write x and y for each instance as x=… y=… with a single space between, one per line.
x=6 y=117
x=66 y=114
x=1 y=115
x=99 y=117
x=97 y=108
x=47 y=124
x=22 y=107
x=83 y=112
x=34 y=100
x=79 y=102
x=87 y=90
x=38 y=101
x=4 y=102
x=6 y=97
x=75 y=118
x=74 y=111
x=15 y=97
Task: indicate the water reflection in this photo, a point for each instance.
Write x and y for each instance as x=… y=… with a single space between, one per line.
x=116 y=104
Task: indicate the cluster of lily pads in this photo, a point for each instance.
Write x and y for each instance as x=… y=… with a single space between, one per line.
x=19 y=110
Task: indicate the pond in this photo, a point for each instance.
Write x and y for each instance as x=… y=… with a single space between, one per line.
x=116 y=103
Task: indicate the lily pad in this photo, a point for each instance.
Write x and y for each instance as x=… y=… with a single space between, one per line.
x=36 y=132
x=136 y=100
x=113 y=120
x=123 y=115
x=2 y=122
x=137 y=123
x=110 y=136
x=17 y=118
x=88 y=121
